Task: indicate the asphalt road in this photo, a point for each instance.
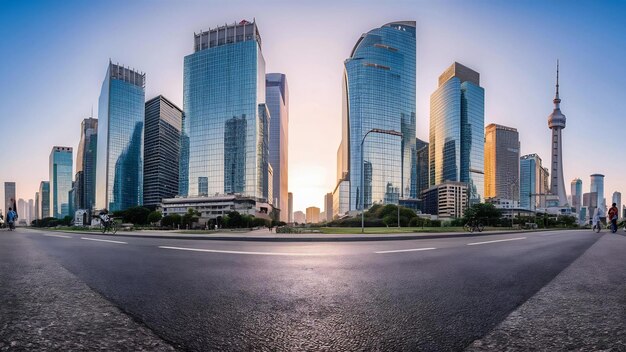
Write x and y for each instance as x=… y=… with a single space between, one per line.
x=426 y=295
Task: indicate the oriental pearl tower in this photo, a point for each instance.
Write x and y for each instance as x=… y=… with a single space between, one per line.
x=556 y=122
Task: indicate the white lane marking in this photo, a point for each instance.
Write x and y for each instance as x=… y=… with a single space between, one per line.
x=510 y=239
x=405 y=250
x=99 y=240
x=240 y=252
x=61 y=236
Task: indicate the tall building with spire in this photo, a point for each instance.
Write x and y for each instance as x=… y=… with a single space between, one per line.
x=556 y=122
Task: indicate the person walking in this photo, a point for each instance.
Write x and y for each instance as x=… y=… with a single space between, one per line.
x=613 y=217
x=11 y=218
x=597 y=225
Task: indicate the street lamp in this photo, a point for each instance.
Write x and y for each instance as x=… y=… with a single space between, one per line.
x=381 y=131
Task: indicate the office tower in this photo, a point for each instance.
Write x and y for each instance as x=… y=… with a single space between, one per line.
x=457 y=130
x=312 y=215
x=9 y=197
x=378 y=93
x=61 y=167
x=328 y=207
x=225 y=137
x=290 y=208
x=22 y=210
x=163 y=123
x=502 y=155
x=447 y=200
x=422 y=183
x=556 y=122
x=617 y=199
x=277 y=96
x=85 y=177
x=119 y=164
x=299 y=217
x=577 y=194
x=31 y=211
x=597 y=186
x=44 y=200
x=533 y=182
x=37 y=213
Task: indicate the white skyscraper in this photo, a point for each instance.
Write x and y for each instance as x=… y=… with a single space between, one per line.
x=556 y=122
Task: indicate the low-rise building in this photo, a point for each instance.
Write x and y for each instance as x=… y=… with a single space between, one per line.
x=447 y=200
x=299 y=217
x=312 y=215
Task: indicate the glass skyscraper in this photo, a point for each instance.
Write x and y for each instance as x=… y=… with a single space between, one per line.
x=379 y=92
x=225 y=138
x=119 y=169
x=161 y=150
x=86 y=154
x=44 y=199
x=277 y=96
x=422 y=166
x=61 y=167
x=577 y=194
x=457 y=135
x=533 y=182
x=9 y=196
x=597 y=187
x=502 y=155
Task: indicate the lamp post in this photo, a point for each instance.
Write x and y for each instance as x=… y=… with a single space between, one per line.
x=381 y=131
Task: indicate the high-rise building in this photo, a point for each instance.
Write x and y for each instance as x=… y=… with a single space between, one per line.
x=502 y=155
x=119 y=164
x=556 y=122
x=457 y=130
x=86 y=153
x=533 y=182
x=597 y=187
x=277 y=96
x=290 y=207
x=617 y=199
x=379 y=93
x=31 y=211
x=328 y=207
x=161 y=153
x=22 y=210
x=422 y=166
x=44 y=200
x=225 y=138
x=299 y=217
x=312 y=215
x=446 y=200
x=37 y=212
x=577 y=194
x=9 y=196
x=61 y=167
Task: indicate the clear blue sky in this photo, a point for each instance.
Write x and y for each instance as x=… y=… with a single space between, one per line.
x=53 y=58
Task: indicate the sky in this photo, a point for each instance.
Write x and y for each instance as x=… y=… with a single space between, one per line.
x=54 y=55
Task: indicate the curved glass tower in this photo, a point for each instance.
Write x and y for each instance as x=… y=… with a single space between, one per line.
x=379 y=92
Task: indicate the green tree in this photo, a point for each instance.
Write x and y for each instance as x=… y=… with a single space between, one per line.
x=137 y=215
x=155 y=217
x=190 y=218
x=484 y=212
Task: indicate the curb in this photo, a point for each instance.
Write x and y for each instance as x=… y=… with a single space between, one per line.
x=318 y=239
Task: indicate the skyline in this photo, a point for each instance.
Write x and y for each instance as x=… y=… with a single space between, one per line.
x=315 y=92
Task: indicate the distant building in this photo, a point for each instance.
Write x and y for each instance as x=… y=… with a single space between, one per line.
x=9 y=197
x=328 y=207
x=277 y=97
x=421 y=166
x=119 y=169
x=61 y=167
x=597 y=186
x=502 y=153
x=341 y=197
x=378 y=92
x=457 y=131
x=533 y=182
x=290 y=208
x=617 y=199
x=299 y=217
x=37 y=213
x=22 y=210
x=31 y=211
x=86 y=153
x=161 y=153
x=577 y=194
x=44 y=200
x=312 y=215
x=447 y=200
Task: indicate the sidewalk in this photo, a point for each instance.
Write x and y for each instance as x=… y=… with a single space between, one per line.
x=582 y=309
x=266 y=236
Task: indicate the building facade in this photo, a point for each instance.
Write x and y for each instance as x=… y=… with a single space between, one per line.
x=379 y=93
x=290 y=208
x=119 y=169
x=299 y=217
x=86 y=164
x=556 y=123
x=533 y=182
x=502 y=155
x=225 y=137
x=61 y=172
x=9 y=196
x=37 y=212
x=457 y=130
x=163 y=123
x=277 y=97
x=421 y=166
x=577 y=194
x=617 y=199
x=312 y=215
x=328 y=207
x=44 y=199
x=597 y=187
x=447 y=200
